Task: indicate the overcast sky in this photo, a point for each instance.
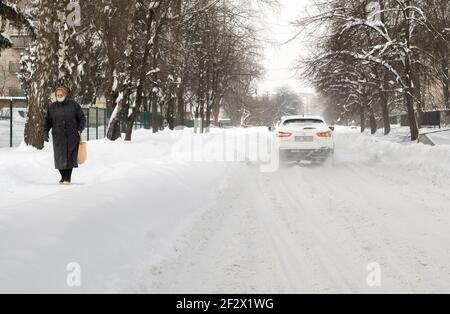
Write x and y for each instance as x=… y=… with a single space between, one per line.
x=279 y=58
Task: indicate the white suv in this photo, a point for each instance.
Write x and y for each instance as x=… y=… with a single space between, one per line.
x=305 y=138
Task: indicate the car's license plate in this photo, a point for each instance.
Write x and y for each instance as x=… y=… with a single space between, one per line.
x=304 y=139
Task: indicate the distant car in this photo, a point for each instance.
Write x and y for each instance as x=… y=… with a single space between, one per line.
x=305 y=138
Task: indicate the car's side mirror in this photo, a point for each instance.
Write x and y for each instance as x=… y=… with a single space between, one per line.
x=332 y=128
x=270 y=129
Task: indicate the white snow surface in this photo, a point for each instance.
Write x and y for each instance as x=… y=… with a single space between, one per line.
x=441 y=137
x=137 y=219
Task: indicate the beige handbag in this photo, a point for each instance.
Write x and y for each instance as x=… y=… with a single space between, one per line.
x=82 y=153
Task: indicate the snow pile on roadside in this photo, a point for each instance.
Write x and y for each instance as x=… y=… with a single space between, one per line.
x=410 y=156
x=398 y=134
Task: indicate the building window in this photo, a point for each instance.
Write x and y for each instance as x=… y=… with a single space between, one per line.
x=16 y=92
x=20 y=42
x=14 y=67
x=14 y=31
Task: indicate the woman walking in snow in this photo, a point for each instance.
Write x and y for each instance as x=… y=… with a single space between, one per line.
x=67 y=121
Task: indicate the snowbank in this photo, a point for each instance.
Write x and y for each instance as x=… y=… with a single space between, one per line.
x=394 y=151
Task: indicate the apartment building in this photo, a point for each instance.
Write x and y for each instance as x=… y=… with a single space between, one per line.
x=10 y=65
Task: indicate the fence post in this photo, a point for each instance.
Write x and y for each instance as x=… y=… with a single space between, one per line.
x=88 y=123
x=105 y=113
x=11 y=123
x=96 y=123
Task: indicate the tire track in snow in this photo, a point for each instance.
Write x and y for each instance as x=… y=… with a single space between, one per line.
x=298 y=215
x=407 y=229
x=226 y=250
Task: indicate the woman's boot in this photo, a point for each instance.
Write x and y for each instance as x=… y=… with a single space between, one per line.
x=63 y=176
x=68 y=177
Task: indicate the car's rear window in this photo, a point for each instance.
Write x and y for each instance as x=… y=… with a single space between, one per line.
x=303 y=121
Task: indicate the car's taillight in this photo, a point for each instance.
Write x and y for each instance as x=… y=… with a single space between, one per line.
x=284 y=134
x=325 y=134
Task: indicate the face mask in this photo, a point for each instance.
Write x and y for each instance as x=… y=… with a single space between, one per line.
x=60 y=100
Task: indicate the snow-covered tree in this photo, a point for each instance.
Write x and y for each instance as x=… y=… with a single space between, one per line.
x=383 y=37
x=140 y=55
x=43 y=69
x=11 y=15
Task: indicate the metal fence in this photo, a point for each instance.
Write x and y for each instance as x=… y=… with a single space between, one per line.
x=98 y=120
x=12 y=126
x=436 y=119
x=12 y=121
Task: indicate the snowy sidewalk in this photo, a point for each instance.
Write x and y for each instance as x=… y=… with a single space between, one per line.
x=125 y=209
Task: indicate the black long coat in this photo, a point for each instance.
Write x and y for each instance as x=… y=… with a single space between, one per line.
x=67 y=121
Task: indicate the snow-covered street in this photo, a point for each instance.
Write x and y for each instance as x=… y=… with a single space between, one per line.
x=138 y=220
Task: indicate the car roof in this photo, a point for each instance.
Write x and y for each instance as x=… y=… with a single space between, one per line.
x=302 y=118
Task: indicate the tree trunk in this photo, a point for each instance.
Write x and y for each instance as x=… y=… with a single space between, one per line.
x=110 y=95
x=181 y=109
x=446 y=84
x=385 y=110
x=180 y=104
x=409 y=80
x=114 y=131
x=362 y=117
x=412 y=117
x=420 y=114
x=34 y=127
x=373 y=121
x=410 y=101
x=155 y=120
x=44 y=72
x=140 y=85
x=171 y=113
x=417 y=83
x=208 y=117
x=130 y=124
x=216 y=112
